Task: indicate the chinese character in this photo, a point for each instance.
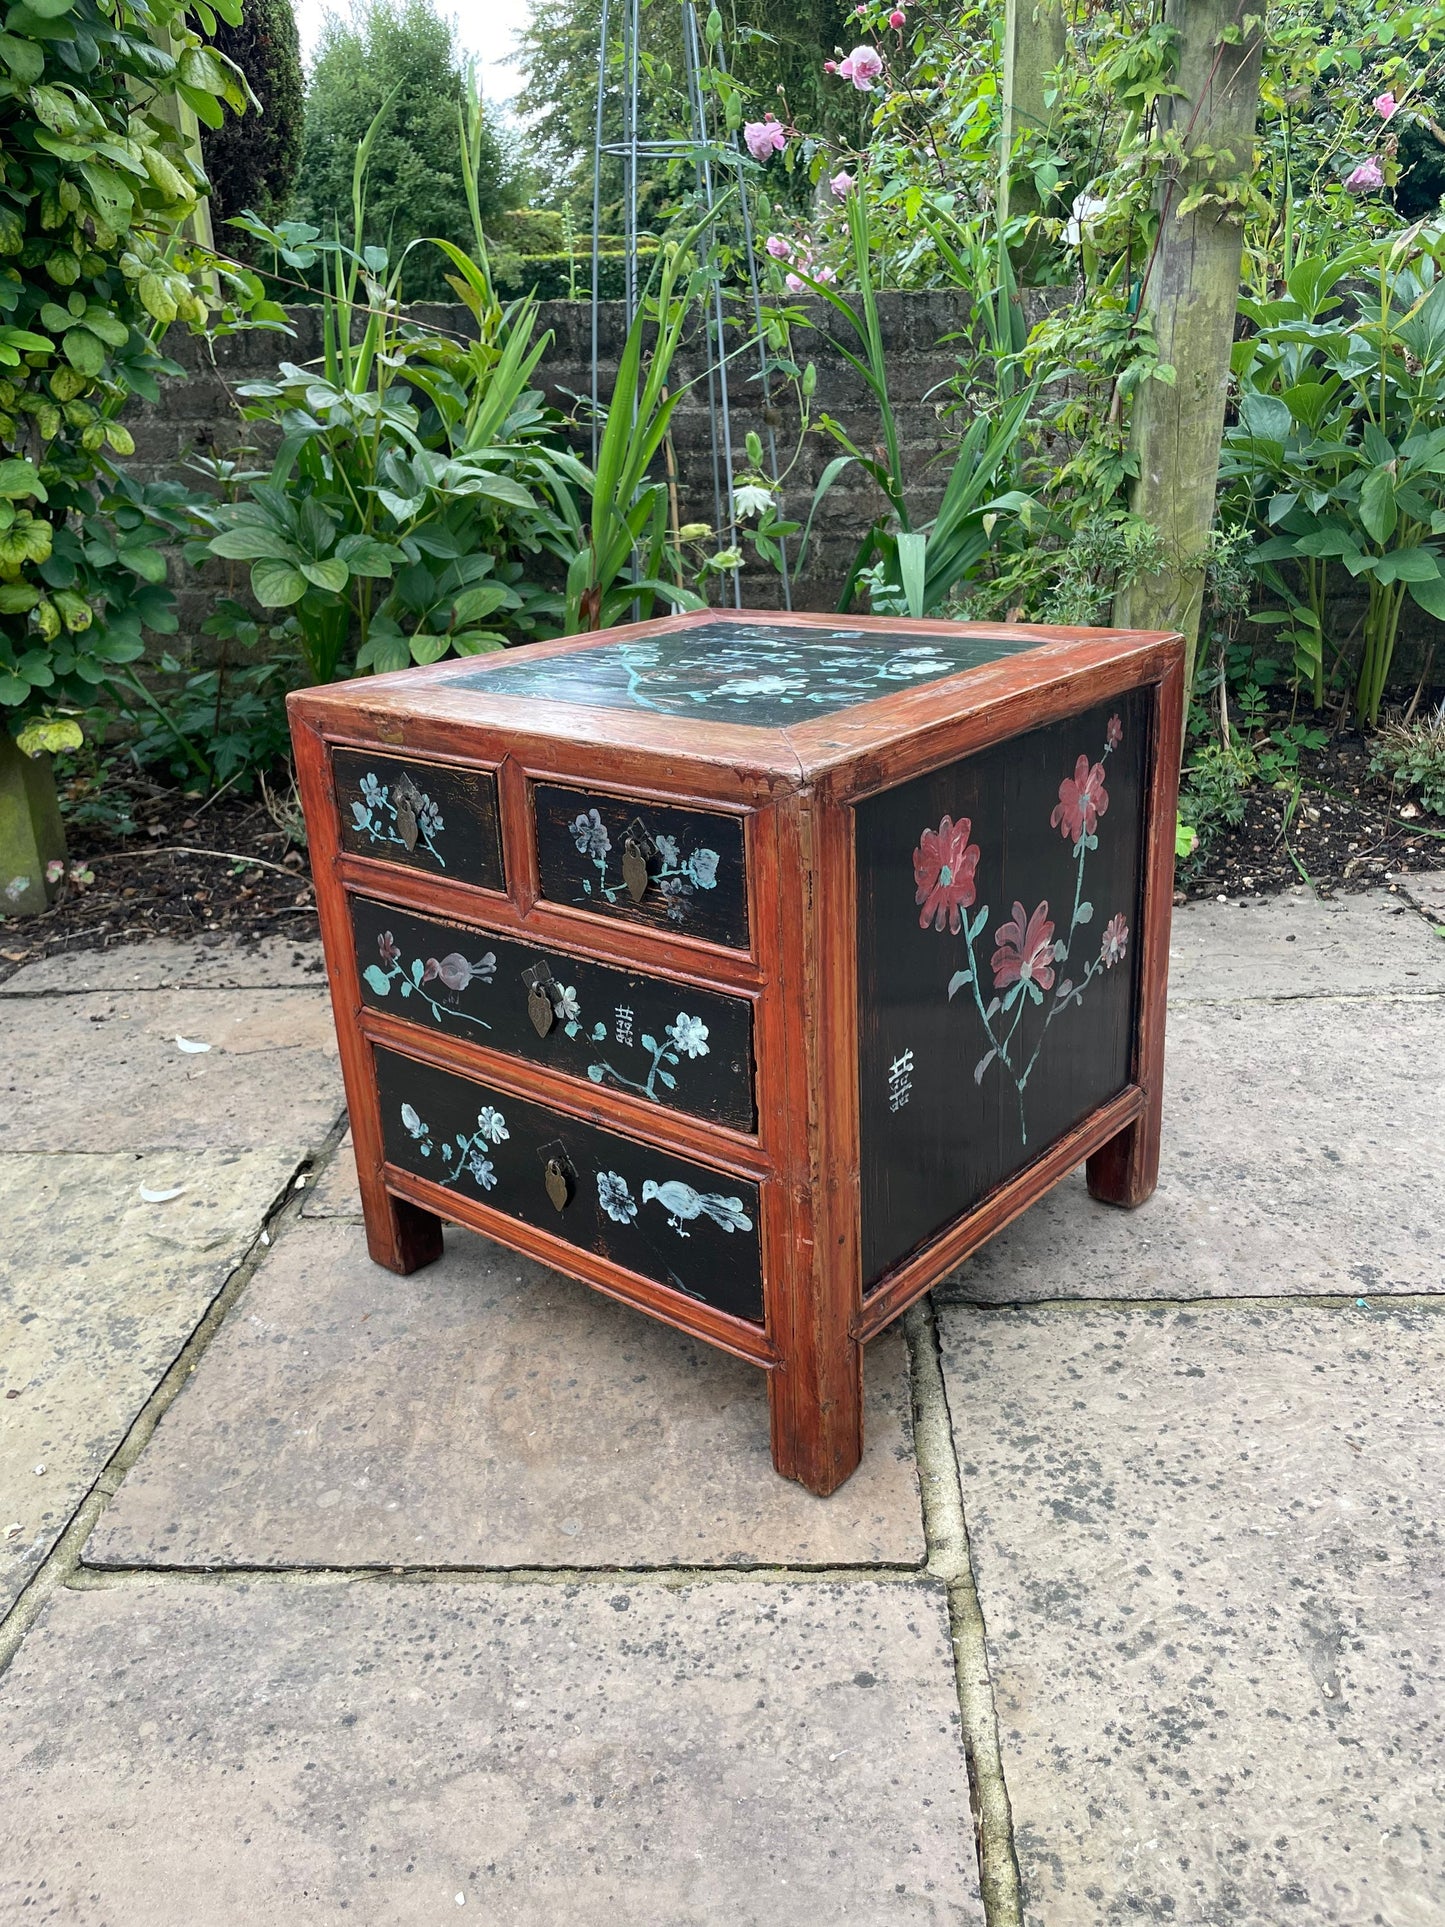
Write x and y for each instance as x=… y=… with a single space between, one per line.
x=900 y=1081
x=624 y=1024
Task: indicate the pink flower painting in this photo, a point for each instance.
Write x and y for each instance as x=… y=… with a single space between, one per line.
x=943 y=869
x=1082 y=800
x=1025 y=953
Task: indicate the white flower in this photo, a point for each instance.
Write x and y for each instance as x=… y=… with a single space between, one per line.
x=412 y=1122
x=567 y=1003
x=492 y=1125
x=689 y=1034
x=615 y=1198
x=1085 y=207
x=752 y=500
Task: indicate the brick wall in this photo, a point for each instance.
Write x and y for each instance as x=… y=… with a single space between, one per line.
x=196 y=417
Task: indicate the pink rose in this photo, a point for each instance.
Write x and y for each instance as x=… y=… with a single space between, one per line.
x=830 y=66
x=898 y=19
x=1385 y=105
x=1366 y=176
x=795 y=284
x=778 y=248
x=824 y=274
x=765 y=137
x=862 y=67
x=842 y=184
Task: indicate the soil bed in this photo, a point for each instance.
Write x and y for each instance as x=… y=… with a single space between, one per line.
x=191 y=869
x=225 y=869
x=1342 y=829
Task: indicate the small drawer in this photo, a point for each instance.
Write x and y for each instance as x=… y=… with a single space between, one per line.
x=677 y=1223
x=427 y=816
x=688 y=1049
x=680 y=870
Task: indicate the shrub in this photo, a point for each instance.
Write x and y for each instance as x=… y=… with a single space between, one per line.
x=568 y=277
x=97 y=183
x=1412 y=755
x=254 y=163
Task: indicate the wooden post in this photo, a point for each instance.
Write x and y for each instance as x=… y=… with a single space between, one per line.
x=1191 y=294
x=1035 y=40
x=31 y=833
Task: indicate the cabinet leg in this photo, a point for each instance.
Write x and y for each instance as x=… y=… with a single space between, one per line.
x=815 y=1407
x=1126 y=1169
x=400 y=1235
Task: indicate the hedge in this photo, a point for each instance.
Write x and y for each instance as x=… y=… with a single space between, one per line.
x=554 y=277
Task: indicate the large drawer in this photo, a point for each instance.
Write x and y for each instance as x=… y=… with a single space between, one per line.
x=678 y=1046
x=435 y=817
x=664 y=1218
x=680 y=870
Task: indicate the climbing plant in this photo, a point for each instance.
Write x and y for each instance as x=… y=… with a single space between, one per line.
x=98 y=180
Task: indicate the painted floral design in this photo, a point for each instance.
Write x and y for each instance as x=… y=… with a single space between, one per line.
x=943 y=868
x=615 y=1198
x=684 y=1037
x=398 y=813
x=466 y=1153
x=676 y=877
x=1082 y=799
x=682 y=1204
x=1029 y=960
x=454 y=973
x=1025 y=955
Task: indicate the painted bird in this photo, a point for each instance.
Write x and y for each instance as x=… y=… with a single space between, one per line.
x=681 y=1202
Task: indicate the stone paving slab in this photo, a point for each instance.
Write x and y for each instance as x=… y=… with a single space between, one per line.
x=1299 y=945
x=486 y=1412
x=1209 y=1556
x=98 y=1292
x=1426 y=889
x=91 y=1073
x=335 y=1194
x=275 y=963
x=1301 y=1155
x=519 y=1755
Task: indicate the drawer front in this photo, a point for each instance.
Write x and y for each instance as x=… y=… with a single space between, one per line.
x=688 y=1049
x=669 y=1220
x=687 y=864
x=426 y=816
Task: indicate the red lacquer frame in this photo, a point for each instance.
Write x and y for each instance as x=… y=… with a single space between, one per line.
x=796 y=789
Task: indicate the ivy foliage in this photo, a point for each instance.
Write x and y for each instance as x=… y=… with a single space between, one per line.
x=96 y=182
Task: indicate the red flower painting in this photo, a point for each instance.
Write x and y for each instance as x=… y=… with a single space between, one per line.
x=1025 y=951
x=1114 y=734
x=943 y=868
x=1082 y=801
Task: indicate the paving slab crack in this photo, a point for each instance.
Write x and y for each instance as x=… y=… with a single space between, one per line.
x=63 y=1558
x=949 y=1561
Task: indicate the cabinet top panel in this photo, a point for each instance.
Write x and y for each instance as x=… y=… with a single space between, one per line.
x=764 y=675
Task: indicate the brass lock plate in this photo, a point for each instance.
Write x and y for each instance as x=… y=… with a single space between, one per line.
x=559 y=1178
x=638 y=850
x=541 y=1008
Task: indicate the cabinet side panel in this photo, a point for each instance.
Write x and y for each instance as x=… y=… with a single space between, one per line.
x=998 y=913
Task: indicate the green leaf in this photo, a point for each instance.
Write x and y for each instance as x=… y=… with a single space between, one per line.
x=331 y=573
x=12 y=690
x=363 y=555
x=958 y=980
x=24 y=59
x=248 y=543
x=84 y=351
x=426 y=647
x=1186 y=839
x=276 y=584
x=1430 y=596
x=114 y=333
x=1407 y=565
x=20 y=479
x=147 y=562
x=378 y=979
x=48 y=9
x=473 y=604
x=1377 y=504
x=1084 y=913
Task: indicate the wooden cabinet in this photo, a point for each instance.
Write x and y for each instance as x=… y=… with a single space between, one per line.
x=752 y=969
